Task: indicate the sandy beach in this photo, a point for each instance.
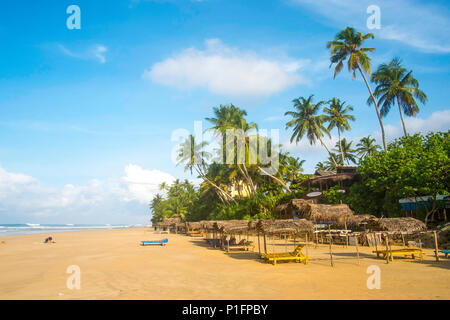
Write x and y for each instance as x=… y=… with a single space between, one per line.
x=114 y=266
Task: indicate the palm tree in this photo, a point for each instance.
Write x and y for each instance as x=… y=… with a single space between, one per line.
x=194 y=157
x=348 y=44
x=367 y=147
x=330 y=163
x=307 y=121
x=337 y=116
x=347 y=153
x=230 y=117
x=396 y=85
x=320 y=166
x=163 y=186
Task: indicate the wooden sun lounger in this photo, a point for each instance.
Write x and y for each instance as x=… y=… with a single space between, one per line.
x=295 y=255
x=400 y=252
x=446 y=252
x=244 y=245
x=195 y=234
x=160 y=242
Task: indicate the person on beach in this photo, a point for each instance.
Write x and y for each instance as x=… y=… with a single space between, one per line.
x=49 y=240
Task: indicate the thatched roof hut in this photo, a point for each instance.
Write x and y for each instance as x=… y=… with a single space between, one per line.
x=193 y=225
x=396 y=224
x=284 y=226
x=207 y=224
x=355 y=223
x=336 y=213
x=169 y=222
x=232 y=226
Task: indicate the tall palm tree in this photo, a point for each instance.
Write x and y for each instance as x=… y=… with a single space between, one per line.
x=347 y=153
x=320 y=166
x=366 y=147
x=228 y=117
x=307 y=122
x=396 y=85
x=163 y=186
x=348 y=45
x=337 y=116
x=330 y=163
x=194 y=157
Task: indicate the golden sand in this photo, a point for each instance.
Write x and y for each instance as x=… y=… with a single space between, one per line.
x=114 y=266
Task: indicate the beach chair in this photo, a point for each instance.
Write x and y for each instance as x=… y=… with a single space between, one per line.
x=446 y=252
x=295 y=255
x=413 y=252
x=160 y=242
x=243 y=245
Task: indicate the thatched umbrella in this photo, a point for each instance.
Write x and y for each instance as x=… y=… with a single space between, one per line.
x=284 y=226
x=336 y=213
x=396 y=225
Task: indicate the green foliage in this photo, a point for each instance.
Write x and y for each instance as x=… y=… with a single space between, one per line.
x=334 y=196
x=412 y=166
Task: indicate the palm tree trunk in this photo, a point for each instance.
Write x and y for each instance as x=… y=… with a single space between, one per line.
x=340 y=146
x=220 y=190
x=276 y=179
x=325 y=146
x=401 y=116
x=376 y=108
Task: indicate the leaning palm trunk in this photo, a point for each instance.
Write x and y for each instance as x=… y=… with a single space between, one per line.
x=401 y=116
x=276 y=179
x=220 y=191
x=340 y=146
x=376 y=107
x=247 y=177
x=328 y=150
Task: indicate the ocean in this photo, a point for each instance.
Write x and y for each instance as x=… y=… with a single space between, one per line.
x=30 y=228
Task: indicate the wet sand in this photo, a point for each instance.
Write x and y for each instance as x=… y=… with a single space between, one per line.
x=114 y=266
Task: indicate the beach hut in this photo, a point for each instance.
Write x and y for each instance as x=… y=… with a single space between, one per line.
x=321 y=213
x=194 y=229
x=396 y=225
x=170 y=224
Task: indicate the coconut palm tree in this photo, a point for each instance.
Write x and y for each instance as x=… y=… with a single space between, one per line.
x=306 y=121
x=320 y=166
x=347 y=45
x=347 y=153
x=396 y=85
x=163 y=186
x=330 y=163
x=194 y=157
x=367 y=147
x=230 y=117
x=337 y=116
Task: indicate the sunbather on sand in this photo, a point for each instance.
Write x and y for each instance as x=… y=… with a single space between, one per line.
x=49 y=240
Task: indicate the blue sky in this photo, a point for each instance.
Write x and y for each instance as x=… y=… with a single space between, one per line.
x=86 y=116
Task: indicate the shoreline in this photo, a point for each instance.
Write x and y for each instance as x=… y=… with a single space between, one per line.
x=114 y=266
x=7 y=233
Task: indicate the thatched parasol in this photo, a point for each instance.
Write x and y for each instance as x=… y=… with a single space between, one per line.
x=284 y=226
x=337 y=213
x=232 y=226
x=396 y=224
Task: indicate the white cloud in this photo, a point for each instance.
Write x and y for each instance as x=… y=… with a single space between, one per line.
x=142 y=185
x=437 y=121
x=226 y=71
x=96 y=52
x=24 y=197
x=422 y=26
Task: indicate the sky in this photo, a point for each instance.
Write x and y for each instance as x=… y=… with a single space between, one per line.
x=88 y=116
